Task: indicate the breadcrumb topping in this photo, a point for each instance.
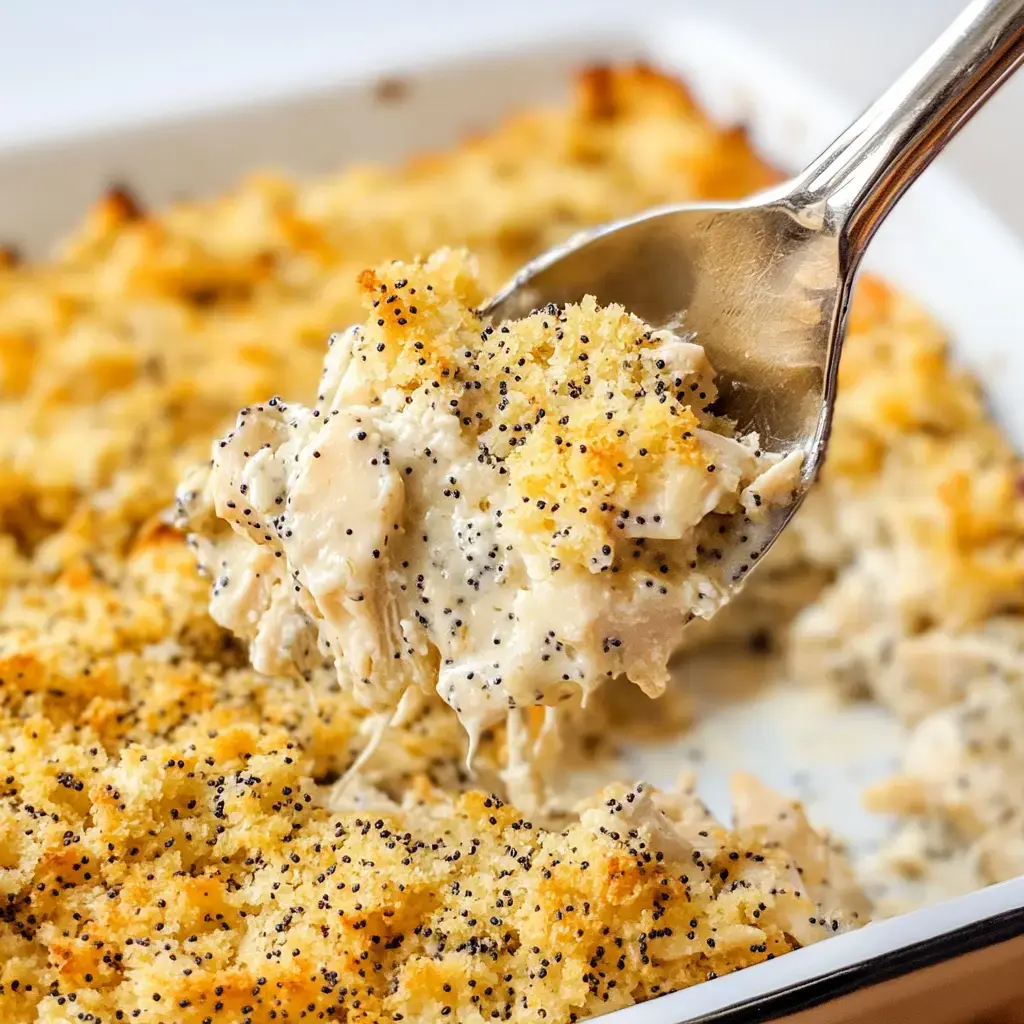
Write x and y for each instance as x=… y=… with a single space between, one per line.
x=578 y=403
x=141 y=339
x=168 y=883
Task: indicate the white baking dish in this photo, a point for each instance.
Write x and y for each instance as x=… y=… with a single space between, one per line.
x=940 y=245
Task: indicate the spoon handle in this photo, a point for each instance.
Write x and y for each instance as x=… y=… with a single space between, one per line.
x=865 y=171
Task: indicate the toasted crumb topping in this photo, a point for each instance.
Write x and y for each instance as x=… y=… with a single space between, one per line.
x=169 y=883
x=579 y=404
x=139 y=341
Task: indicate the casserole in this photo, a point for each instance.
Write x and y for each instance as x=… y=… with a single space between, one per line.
x=962 y=267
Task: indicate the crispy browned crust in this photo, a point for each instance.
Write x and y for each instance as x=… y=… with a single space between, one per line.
x=160 y=834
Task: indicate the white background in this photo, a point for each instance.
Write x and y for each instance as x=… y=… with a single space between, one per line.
x=74 y=65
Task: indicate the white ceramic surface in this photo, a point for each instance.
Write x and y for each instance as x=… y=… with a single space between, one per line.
x=940 y=244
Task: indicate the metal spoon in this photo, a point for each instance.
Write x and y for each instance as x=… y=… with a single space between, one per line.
x=764 y=283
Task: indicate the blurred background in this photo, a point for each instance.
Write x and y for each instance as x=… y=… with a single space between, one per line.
x=69 y=67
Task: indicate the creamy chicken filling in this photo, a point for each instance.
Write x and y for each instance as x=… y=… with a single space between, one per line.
x=511 y=513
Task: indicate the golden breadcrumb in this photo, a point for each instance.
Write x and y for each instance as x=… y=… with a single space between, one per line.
x=547 y=384
x=132 y=730
x=168 y=882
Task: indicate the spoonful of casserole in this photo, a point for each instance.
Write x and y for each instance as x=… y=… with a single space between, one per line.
x=513 y=501
x=511 y=511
